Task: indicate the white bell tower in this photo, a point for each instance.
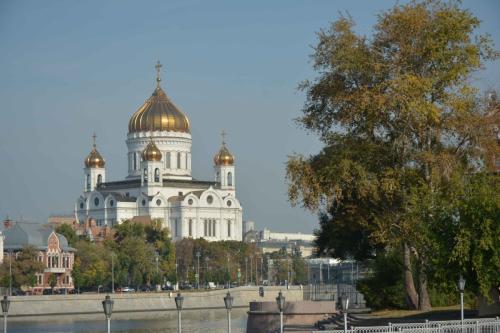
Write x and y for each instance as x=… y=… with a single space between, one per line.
x=94 y=171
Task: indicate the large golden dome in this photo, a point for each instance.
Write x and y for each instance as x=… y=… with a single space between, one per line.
x=158 y=113
x=151 y=152
x=94 y=160
x=224 y=157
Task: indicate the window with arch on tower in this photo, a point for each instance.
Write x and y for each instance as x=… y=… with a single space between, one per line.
x=87 y=181
x=99 y=179
x=135 y=161
x=157 y=175
x=229 y=179
x=145 y=175
x=178 y=160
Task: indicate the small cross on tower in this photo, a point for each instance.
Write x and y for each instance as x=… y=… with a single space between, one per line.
x=223 y=134
x=93 y=139
x=158 y=68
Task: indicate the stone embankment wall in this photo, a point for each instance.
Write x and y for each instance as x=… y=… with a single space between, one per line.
x=264 y=316
x=140 y=305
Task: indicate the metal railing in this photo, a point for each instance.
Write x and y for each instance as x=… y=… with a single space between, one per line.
x=479 y=325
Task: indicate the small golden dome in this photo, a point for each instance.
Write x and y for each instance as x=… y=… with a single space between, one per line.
x=158 y=113
x=94 y=160
x=223 y=157
x=151 y=152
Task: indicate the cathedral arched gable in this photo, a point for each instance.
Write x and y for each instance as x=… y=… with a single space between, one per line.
x=194 y=198
x=107 y=202
x=142 y=201
x=216 y=198
x=81 y=203
x=163 y=200
x=95 y=204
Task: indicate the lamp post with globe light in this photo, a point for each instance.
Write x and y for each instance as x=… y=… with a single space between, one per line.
x=228 y=302
x=107 y=306
x=179 y=299
x=345 y=308
x=281 y=306
x=461 y=288
x=5 y=309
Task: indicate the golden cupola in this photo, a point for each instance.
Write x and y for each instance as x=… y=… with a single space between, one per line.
x=94 y=159
x=151 y=152
x=223 y=156
x=158 y=113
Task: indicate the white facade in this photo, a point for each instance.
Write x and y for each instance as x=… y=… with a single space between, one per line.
x=267 y=234
x=1 y=247
x=163 y=189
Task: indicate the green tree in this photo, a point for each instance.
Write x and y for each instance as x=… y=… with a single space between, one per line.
x=399 y=118
x=52 y=282
x=25 y=266
x=67 y=231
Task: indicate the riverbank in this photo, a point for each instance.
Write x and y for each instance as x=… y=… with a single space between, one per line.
x=141 y=305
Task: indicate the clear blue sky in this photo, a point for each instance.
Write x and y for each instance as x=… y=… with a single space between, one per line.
x=69 y=68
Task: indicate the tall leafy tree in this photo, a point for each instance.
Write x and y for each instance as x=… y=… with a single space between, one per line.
x=398 y=118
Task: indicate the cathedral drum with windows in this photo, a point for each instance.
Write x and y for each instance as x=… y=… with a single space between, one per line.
x=159 y=184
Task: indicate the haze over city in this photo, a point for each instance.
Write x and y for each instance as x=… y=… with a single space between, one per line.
x=69 y=69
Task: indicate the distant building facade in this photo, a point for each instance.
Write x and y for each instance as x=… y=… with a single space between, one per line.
x=53 y=251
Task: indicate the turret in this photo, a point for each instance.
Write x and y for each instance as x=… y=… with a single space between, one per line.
x=94 y=170
x=151 y=166
x=224 y=167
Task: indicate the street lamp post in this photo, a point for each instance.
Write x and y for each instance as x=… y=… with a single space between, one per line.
x=107 y=306
x=228 y=302
x=345 y=307
x=251 y=278
x=281 y=306
x=246 y=271
x=461 y=288
x=5 y=309
x=112 y=273
x=198 y=254
x=179 y=299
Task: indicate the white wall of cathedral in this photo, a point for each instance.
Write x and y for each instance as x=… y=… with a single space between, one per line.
x=92 y=177
x=174 y=146
x=213 y=216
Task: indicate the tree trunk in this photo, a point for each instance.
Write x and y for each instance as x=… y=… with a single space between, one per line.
x=411 y=293
x=424 y=302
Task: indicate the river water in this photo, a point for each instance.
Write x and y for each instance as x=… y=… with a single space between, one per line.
x=127 y=326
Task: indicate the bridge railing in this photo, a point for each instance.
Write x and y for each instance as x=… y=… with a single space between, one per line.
x=479 y=325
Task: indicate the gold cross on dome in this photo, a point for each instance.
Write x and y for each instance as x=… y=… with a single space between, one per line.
x=223 y=134
x=158 y=68
x=93 y=139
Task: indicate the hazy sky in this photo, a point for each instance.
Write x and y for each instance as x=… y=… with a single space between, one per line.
x=69 y=68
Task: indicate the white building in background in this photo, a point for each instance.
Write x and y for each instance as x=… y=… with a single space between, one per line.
x=2 y=237
x=267 y=235
x=159 y=183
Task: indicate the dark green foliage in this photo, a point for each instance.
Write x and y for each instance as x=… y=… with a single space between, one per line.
x=67 y=231
x=384 y=287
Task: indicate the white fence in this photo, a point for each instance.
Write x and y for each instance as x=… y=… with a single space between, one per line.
x=480 y=325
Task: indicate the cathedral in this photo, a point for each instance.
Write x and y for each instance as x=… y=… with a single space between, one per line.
x=159 y=184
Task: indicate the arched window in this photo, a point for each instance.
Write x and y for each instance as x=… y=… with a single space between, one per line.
x=229 y=179
x=205 y=233
x=167 y=161
x=186 y=160
x=178 y=160
x=87 y=181
x=214 y=226
x=190 y=227
x=135 y=161
x=229 y=228
x=157 y=175
x=145 y=175
x=99 y=179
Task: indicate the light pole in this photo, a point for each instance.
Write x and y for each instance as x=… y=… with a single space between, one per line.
x=461 y=287
x=251 y=278
x=112 y=273
x=10 y=272
x=246 y=271
x=107 y=306
x=198 y=254
x=345 y=307
x=5 y=309
x=228 y=302
x=281 y=305
x=179 y=299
